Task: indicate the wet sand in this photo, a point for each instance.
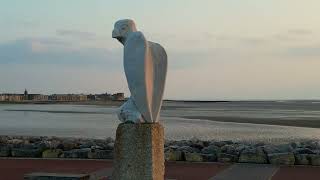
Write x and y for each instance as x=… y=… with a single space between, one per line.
x=269 y=121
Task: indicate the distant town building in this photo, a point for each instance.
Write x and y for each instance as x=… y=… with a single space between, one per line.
x=12 y=97
x=103 y=97
x=68 y=97
x=118 y=97
x=38 y=97
x=91 y=97
x=26 y=96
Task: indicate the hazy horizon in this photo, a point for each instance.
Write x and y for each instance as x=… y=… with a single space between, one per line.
x=217 y=50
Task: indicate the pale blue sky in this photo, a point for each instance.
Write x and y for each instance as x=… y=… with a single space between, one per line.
x=231 y=49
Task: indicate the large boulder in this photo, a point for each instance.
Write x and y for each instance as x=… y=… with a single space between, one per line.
x=110 y=146
x=5 y=151
x=100 y=154
x=68 y=145
x=24 y=152
x=253 y=155
x=282 y=148
x=197 y=144
x=303 y=151
x=282 y=158
x=209 y=157
x=77 y=153
x=87 y=144
x=302 y=159
x=212 y=149
x=313 y=145
x=229 y=149
x=314 y=159
x=188 y=149
x=174 y=155
x=221 y=143
x=193 y=157
x=227 y=158
x=52 y=153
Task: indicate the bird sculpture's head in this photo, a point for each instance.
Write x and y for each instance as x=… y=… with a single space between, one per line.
x=122 y=29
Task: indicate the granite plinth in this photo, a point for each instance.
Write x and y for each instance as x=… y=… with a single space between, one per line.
x=139 y=152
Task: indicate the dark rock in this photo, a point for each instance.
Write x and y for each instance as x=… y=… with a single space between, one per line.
x=193 y=157
x=314 y=159
x=173 y=147
x=241 y=147
x=110 y=146
x=282 y=148
x=227 y=158
x=302 y=159
x=69 y=145
x=206 y=143
x=100 y=154
x=16 y=141
x=209 y=157
x=52 y=153
x=109 y=140
x=221 y=143
x=188 y=149
x=20 y=152
x=253 y=155
x=77 y=153
x=183 y=143
x=212 y=149
x=43 y=145
x=286 y=158
x=259 y=144
x=313 y=145
x=295 y=145
x=198 y=145
x=229 y=149
x=303 y=151
x=174 y=155
x=96 y=147
x=5 y=151
x=87 y=144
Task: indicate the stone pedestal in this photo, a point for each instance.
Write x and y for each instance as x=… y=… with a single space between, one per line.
x=139 y=152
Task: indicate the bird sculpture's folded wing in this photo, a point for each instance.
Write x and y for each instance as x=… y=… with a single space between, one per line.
x=138 y=66
x=145 y=65
x=159 y=59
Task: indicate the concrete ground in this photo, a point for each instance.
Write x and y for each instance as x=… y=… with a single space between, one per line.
x=15 y=169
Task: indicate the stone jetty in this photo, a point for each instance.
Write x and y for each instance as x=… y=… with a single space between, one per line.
x=295 y=153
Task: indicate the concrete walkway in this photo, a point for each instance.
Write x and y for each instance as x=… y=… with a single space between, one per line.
x=247 y=171
x=15 y=169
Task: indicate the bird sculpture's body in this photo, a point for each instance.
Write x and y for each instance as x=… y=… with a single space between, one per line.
x=145 y=65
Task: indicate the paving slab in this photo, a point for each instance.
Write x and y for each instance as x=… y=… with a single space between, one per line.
x=247 y=172
x=297 y=173
x=15 y=169
x=56 y=176
x=193 y=171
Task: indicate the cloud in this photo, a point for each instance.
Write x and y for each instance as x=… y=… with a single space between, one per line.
x=300 y=31
x=57 y=52
x=294 y=35
x=76 y=34
x=304 y=51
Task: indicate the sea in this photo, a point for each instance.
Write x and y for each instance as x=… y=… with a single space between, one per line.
x=268 y=121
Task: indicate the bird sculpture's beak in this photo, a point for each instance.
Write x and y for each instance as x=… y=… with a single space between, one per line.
x=115 y=33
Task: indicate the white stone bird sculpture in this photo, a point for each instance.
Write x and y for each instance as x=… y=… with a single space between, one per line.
x=145 y=65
